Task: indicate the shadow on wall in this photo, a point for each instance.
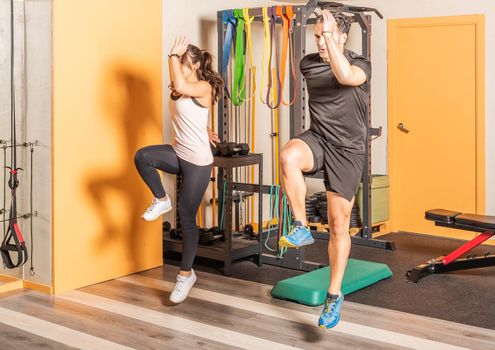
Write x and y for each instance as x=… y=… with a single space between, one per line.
x=207 y=26
x=118 y=194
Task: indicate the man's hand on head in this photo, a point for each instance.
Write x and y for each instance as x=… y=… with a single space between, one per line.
x=329 y=22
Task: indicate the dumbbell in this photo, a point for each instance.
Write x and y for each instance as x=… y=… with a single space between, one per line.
x=249 y=232
x=208 y=237
x=174 y=233
x=218 y=232
x=231 y=149
x=215 y=150
x=166 y=226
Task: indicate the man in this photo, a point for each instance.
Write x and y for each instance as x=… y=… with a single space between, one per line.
x=338 y=82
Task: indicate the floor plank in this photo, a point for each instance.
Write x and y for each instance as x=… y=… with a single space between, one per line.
x=56 y=332
x=105 y=325
x=21 y=340
x=221 y=313
x=420 y=326
x=230 y=318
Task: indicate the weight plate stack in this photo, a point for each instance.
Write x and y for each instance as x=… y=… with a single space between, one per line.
x=314 y=219
x=355 y=216
x=311 y=206
x=322 y=206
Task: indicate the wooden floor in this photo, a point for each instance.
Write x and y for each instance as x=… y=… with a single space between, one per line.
x=221 y=313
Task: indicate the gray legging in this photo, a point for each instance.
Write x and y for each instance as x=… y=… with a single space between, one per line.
x=195 y=180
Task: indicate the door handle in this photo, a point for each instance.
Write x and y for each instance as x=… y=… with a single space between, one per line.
x=402 y=128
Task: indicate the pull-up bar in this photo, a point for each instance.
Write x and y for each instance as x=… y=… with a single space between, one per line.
x=308 y=9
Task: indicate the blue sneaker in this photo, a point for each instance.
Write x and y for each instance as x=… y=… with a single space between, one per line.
x=330 y=315
x=298 y=236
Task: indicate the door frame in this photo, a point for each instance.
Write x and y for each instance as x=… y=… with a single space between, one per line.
x=392 y=26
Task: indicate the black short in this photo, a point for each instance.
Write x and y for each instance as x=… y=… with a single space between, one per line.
x=342 y=169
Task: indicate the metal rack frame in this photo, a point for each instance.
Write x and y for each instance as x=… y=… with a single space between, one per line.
x=303 y=17
x=234 y=247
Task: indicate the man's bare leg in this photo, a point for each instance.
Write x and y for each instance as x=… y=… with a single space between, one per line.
x=296 y=157
x=339 y=245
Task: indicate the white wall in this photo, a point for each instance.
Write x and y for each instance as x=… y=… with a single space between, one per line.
x=197 y=20
x=33 y=106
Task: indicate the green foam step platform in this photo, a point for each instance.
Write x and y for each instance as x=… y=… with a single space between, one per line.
x=311 y=287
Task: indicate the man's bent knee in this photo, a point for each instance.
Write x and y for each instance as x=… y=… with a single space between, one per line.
x=296 y=155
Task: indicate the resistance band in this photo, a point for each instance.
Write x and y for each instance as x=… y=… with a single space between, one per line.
x=266 y=51
x=230 y=21
x=274 y=192
x=252 y=83
x=287 y=38
x=249 y=53
x=238 y=91
x=272 y=13
x=279 y=210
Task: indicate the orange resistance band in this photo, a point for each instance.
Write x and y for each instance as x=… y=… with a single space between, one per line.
x=287 y=26
x=288 y=22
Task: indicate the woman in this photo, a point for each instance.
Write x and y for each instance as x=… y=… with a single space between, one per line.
x=195 y=88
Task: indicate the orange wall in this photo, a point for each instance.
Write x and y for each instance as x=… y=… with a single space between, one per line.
x=107 y=71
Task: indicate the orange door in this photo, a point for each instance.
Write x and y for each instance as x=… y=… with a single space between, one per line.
x=436 y=119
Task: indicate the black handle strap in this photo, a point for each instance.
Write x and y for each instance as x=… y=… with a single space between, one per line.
x=18 y=246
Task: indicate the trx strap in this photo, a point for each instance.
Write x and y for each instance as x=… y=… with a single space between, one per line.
x=238 y=91
x=13 y=231
x=229 y=20
x=266 y=50
x=272 y=13
x=287 y=25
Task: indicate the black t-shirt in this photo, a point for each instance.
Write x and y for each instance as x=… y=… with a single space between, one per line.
x=338 y=112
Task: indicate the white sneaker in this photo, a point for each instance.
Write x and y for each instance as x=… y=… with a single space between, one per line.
x=157 y=208
x=182 y=287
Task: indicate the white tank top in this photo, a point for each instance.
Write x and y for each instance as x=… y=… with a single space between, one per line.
x=190 y=122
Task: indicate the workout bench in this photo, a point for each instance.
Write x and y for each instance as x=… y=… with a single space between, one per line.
x=452 y=262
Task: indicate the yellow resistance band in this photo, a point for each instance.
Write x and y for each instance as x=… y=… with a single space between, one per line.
x=249 y=54
x=252 y=83
x=267 y=47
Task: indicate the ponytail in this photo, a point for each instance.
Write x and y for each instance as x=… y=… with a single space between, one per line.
x=207 y=73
